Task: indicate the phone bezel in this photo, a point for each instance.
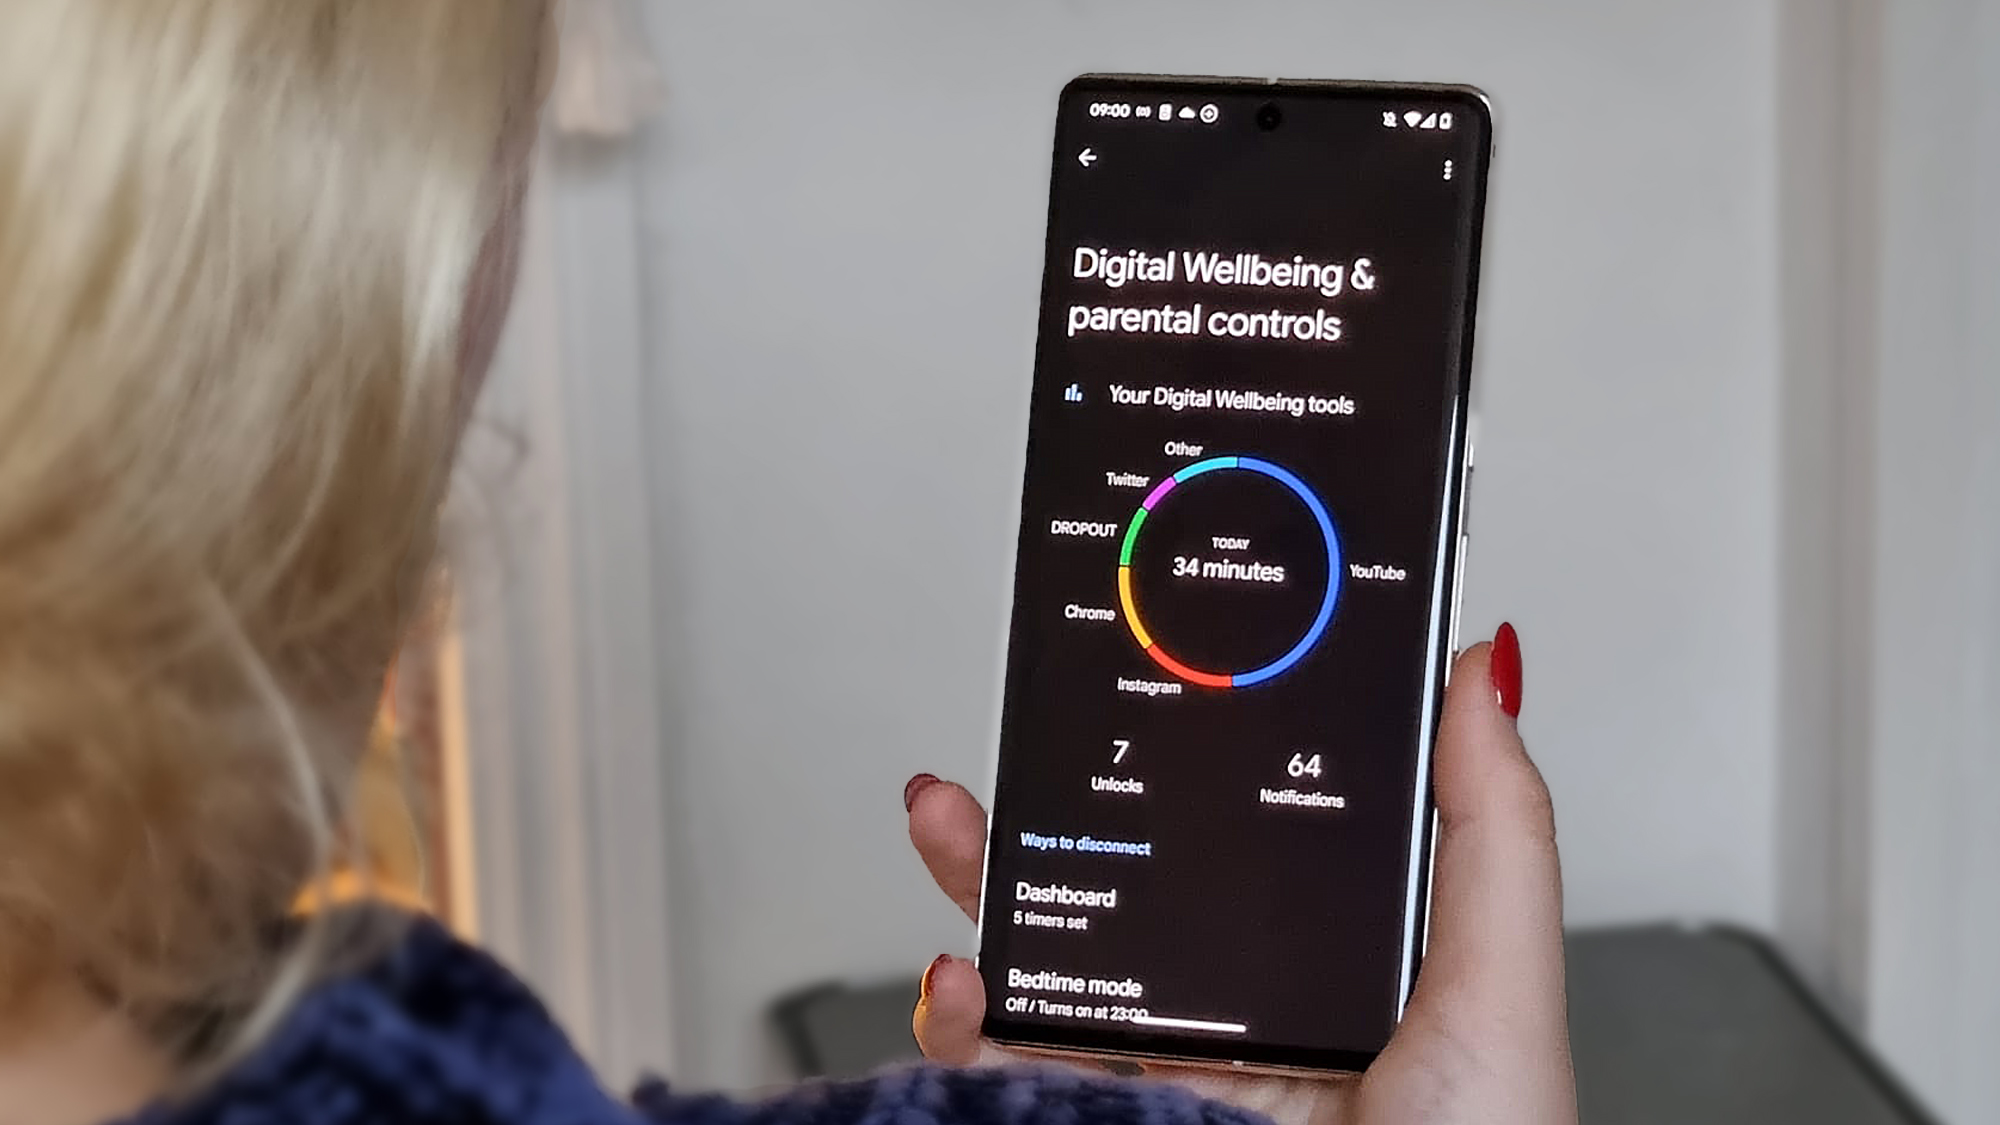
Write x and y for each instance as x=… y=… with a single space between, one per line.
x=1117 y=1047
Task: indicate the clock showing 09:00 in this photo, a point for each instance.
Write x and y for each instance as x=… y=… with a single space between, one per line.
x=1229 y=572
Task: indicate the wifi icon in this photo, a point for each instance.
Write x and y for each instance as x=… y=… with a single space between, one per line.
x=1411 y=118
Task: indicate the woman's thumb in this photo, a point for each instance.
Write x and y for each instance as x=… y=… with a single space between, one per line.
x=1493 y=967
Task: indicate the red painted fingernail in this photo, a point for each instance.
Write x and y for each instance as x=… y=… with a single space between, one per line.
x=924 y=990
x=915 y=786
x=1505 y=665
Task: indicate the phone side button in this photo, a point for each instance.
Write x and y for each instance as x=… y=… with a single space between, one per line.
x=1465 y=501
x=1458 y=588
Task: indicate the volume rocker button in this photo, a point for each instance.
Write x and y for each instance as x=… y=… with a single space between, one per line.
x=1465 y=500
x=1458 y=589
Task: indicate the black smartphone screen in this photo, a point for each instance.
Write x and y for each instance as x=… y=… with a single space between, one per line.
x=1237 y=569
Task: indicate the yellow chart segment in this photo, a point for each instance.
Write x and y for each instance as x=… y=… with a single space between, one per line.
x=1131 y=611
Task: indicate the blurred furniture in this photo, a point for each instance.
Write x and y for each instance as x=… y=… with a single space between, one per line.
x=839 y=1031
x=1710 y=1025
x=1670 y=1026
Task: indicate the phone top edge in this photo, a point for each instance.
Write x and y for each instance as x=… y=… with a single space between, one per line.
x=1468 y=94
x=1316 y=85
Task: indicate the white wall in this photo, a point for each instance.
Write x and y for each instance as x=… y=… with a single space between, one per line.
x=832 y=490
x=1934 y=880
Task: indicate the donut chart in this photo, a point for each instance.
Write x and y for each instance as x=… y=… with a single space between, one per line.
x=1312 y=634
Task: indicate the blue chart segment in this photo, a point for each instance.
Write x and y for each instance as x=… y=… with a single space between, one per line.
x=1312 y=634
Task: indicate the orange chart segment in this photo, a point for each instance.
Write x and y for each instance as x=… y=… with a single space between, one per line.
x=1204 y=679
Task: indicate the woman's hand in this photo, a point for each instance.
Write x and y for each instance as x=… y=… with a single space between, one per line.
x=1486 y=1037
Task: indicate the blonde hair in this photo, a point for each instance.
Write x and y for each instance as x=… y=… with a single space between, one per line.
x=236 y=238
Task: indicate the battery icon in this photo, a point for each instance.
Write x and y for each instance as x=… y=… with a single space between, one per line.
x=1166 y=111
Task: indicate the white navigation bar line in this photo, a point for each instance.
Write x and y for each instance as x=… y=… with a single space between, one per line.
x=1192 y=1025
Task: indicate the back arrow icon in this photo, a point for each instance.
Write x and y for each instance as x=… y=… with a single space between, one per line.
x=1086 y=158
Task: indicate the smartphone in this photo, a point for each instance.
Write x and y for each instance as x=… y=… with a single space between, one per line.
x=1236 y=583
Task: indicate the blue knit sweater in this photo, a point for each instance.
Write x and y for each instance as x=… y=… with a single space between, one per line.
x=438 y=1032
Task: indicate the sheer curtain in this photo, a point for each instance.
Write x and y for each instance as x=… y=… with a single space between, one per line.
x=610 y=83
x=555 y=673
